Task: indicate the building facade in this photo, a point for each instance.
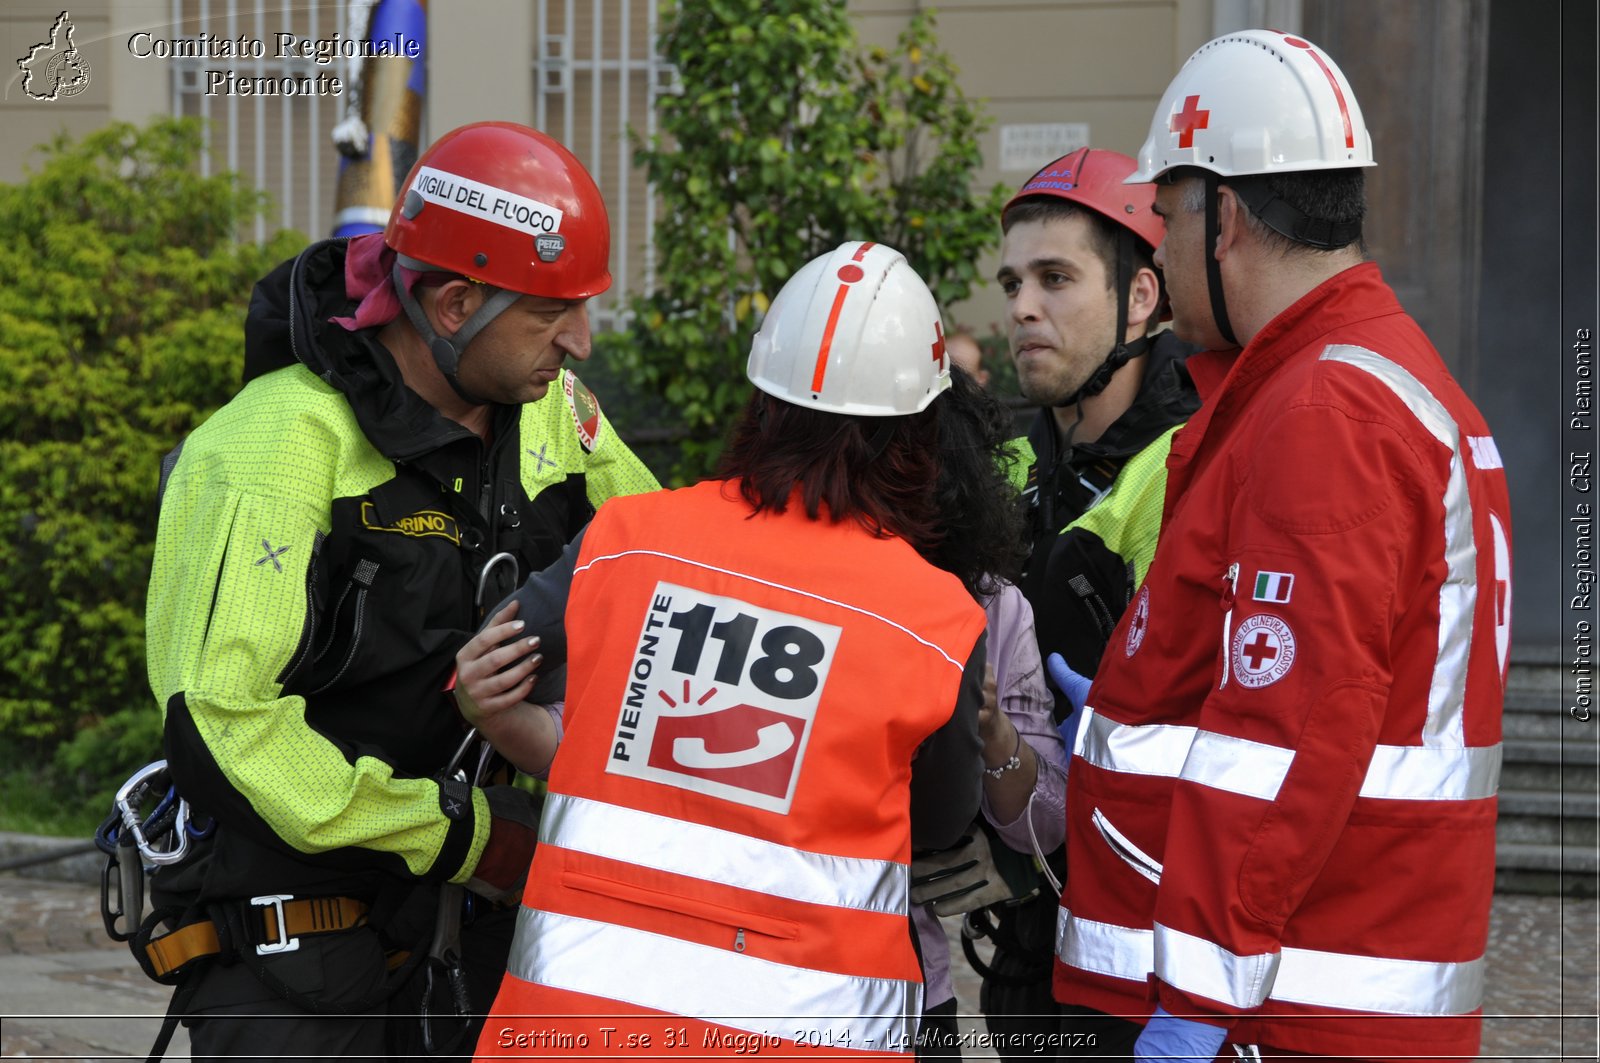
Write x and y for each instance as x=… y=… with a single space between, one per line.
x=1444 y=85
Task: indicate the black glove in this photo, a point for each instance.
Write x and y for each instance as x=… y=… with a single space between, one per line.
x=962 y=878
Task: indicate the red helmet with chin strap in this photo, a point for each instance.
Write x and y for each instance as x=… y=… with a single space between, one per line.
x=509 y=206
x=1092 y=178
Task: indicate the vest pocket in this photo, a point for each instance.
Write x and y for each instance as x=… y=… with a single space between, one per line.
x=740 y=923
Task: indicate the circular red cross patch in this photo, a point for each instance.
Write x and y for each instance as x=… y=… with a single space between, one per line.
x=1263 y=650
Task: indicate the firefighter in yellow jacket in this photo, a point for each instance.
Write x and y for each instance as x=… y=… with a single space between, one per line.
x=753 y=665
x=409 y=416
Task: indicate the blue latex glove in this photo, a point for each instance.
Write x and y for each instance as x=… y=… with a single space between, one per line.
x=1076 y=689
x=1070 y=683
x=1176 y=1040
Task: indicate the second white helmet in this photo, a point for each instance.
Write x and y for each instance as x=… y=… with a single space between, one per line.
x=1254 y=102
x=855 y=331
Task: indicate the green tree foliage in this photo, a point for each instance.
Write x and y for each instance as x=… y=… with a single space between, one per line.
x=120 y=331
x=785 y=141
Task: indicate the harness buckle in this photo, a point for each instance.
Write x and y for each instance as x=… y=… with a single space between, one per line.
x=285 y=943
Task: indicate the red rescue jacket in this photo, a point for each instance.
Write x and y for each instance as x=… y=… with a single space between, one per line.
x=1283 y=804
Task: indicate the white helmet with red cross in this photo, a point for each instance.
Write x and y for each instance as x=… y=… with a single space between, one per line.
x=855 y=331
x=1256 y=102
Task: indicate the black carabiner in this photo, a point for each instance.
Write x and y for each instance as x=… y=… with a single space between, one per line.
x=108 y=915
x=456 y=980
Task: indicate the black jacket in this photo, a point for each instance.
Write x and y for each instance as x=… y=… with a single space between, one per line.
x=1077 y=586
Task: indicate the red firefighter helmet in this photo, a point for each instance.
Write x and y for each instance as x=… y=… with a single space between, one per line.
x=506 y=205
x=1092 y=177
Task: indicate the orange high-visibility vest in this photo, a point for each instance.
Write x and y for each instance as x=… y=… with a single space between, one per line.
x=723 y=864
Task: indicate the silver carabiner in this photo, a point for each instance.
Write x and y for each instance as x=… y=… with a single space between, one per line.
x=472 y=734
x=488 y=567
x=129 y=794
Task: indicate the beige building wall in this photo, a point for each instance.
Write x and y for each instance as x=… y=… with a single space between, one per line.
x=1051 y=74
x=119 y=86
x=1054 y=75
x=478 y=76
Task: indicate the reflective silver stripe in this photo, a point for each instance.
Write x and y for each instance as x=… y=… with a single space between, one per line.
x=1104 y=948
x=1433 y=773
x=1151 y=749
x=716 y=985
x=1305 y=976
x=1237 y=765
x=723 y=856
x=1195 y=965
x=1372 y=983
x=1459 y=593
x=1397 y=773
x=779 y=586
x=1485 y=455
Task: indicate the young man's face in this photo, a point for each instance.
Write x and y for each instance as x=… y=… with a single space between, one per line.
x=1061 y=310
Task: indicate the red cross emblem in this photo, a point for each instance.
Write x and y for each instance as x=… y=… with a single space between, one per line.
x=1263 y=650
x=938 y=344
x=1186 y=121
x=1138 y=622
x=1260 y=650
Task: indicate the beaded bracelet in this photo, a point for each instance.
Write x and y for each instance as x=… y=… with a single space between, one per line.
x=1012 y=762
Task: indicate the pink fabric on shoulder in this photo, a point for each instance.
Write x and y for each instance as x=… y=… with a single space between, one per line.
x=368 y=262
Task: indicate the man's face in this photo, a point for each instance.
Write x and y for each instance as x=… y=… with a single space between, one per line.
x=1062 y=312
x=517 y=355
x=1182 y=260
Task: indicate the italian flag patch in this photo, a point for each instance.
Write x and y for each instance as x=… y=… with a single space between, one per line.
x=1273 y=586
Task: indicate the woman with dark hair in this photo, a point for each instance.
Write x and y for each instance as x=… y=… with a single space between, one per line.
x=772 y=689
x=941 y=486
x=1024 y=757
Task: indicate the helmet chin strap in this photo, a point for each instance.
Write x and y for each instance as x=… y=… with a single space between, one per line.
x=446 y=350
x=1123 y=352
x=1219 y=308
x=1120 y=355
x=1284 y=218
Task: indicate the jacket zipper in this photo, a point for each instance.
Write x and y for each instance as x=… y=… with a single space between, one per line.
x=308 y=630
x=1230 y=587
x=486 y=496
x=366 y=572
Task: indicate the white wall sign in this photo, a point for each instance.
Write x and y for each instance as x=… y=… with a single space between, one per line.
x=1026 y=148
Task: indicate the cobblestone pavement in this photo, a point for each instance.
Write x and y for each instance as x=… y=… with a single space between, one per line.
x=69 y=992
